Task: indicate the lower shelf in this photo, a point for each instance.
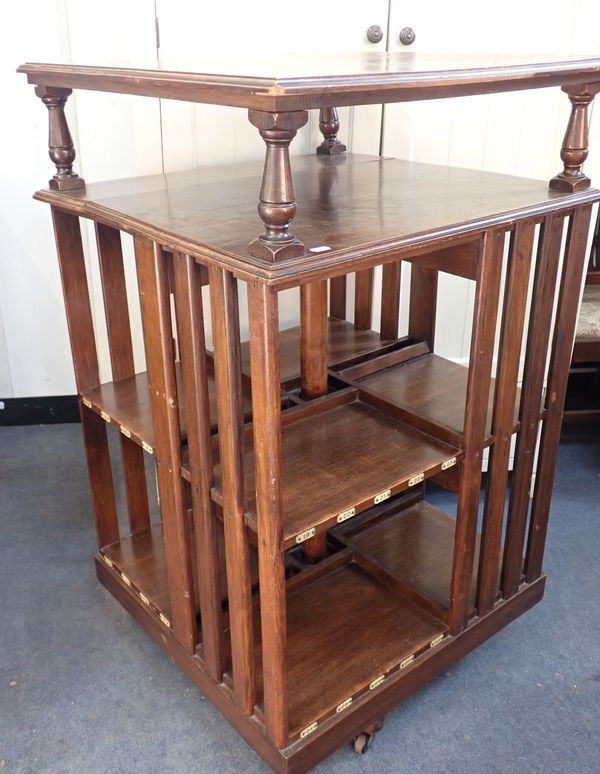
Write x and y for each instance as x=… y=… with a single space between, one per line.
x=140 y=562
x=415 y=545
x=347 y=633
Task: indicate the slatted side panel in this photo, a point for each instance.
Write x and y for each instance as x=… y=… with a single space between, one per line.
x=540 y=322
x=562 y=347
x=511 y=335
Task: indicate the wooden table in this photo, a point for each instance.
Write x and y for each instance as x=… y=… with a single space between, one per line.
x=299 y=576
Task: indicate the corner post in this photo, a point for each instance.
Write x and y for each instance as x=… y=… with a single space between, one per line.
x=329 y=125
x=575 y=149
x=277 y=205
x=60 y=143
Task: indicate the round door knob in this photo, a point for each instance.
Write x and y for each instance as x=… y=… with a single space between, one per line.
x=374 y=34
x=407 y=36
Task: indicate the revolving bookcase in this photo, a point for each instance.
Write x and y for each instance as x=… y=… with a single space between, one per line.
x=299 y=575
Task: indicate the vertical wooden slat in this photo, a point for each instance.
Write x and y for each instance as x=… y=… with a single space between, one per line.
x=390 y=299
x=363 y=298
x=511 y=334
x=478 y=390
x=337 y=297
x=313 y=339
x=226 y=340
x=540 y=318
x=156 y=321
x=564 y=334
x=264 y=353
x=423 y=304
x=85 y=362
x=188 y=304
x=313 y=368
x=114 y=291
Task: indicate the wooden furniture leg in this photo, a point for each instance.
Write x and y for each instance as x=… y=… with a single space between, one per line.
x=329 y=124
x=511 y=334
x=277 y=205
x=558 y=373
x=478 y=390
x=60 y=144
x=158 y=343
x=110 y=257
x=266 y=410
x=540 y=318
x=85 y=361
x=190 y=317
x=226 y=342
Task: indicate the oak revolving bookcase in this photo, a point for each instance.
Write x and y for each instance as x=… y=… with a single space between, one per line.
x=299 y=575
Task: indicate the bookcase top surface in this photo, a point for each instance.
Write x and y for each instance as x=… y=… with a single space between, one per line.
x=298 y=82
x=351 y=209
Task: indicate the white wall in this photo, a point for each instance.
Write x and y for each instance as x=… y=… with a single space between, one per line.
x=120 y=136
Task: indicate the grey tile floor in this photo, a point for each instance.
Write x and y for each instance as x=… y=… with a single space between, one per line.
x=84 y=691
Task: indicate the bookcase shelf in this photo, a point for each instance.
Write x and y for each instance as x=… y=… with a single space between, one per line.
x=126 y=405
x=373 y=630
x=415 y=545
x=341 y=462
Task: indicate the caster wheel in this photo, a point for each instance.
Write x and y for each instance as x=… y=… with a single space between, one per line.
x=362 y=742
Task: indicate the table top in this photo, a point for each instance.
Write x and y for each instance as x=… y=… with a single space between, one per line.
x=352 y=209
x=299 y=82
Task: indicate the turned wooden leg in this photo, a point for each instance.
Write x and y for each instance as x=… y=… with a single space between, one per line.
x=329 y=124
x=60 y=144
x=277 y=206
x=574 y=149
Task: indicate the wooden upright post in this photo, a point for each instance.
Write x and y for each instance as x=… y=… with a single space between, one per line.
x=277 y=204
x=266 y=410
x=226 y=338
x=574 y=149
x=71 y=261
x=60 y=144
x=114 y=292
x=158 y=342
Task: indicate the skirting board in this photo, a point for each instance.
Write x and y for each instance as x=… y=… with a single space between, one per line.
x=48 y=410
